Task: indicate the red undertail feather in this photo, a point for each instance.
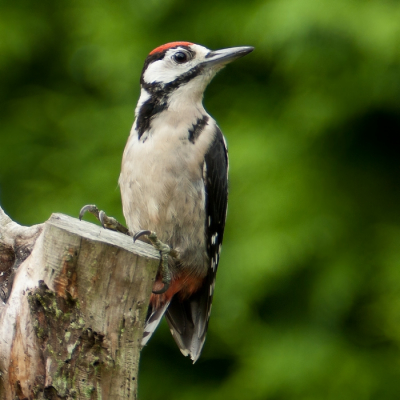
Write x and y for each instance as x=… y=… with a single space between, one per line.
x=182 y=286
x=167 y=46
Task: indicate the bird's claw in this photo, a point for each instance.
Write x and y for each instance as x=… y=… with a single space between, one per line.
x=165 y=251
x=91 y=208
x=106 y=221
x=137 y=235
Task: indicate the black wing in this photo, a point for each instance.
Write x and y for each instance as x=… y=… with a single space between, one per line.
x=188 y=320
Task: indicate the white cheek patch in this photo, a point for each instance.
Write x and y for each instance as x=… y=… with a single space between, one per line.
x=166 y=70
x=158 y=71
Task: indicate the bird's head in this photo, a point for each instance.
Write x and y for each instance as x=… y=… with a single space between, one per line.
x=185 y=67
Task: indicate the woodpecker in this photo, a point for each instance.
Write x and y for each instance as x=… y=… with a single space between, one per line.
x=174 y=182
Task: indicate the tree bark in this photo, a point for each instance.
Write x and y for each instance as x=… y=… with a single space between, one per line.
x=75 y=297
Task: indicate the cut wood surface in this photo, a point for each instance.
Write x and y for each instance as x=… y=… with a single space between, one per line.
x=75 y=299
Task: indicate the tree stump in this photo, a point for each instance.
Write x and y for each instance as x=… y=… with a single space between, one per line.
x=72 y=322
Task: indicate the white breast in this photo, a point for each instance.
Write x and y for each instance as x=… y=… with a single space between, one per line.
x=162 y=185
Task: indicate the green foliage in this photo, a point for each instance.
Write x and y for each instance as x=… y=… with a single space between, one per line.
x=307 y=303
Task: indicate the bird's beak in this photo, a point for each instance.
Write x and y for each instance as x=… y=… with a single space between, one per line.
x=225 y=56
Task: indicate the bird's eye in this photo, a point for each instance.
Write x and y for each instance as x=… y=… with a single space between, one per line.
x=180 y=57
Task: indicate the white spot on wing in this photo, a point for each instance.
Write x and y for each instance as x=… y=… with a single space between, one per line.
x=212 y=288
x=226 y=148
x=204 y=171
x=225 y=144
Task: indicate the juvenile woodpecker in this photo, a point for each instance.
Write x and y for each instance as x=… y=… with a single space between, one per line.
x=174 y=181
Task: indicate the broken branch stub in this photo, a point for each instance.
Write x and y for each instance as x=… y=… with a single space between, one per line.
x=73 y=323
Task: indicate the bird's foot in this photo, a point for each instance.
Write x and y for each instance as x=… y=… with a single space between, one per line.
x=165 y=251
x=106 y=221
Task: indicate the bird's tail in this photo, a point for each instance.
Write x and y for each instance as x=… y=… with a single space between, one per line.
x=153 y=319
x=188 y=321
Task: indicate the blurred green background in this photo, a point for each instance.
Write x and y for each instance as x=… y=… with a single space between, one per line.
x=307 y=303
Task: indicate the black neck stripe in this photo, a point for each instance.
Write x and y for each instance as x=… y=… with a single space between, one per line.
x=160 y=94
x=150 y=108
